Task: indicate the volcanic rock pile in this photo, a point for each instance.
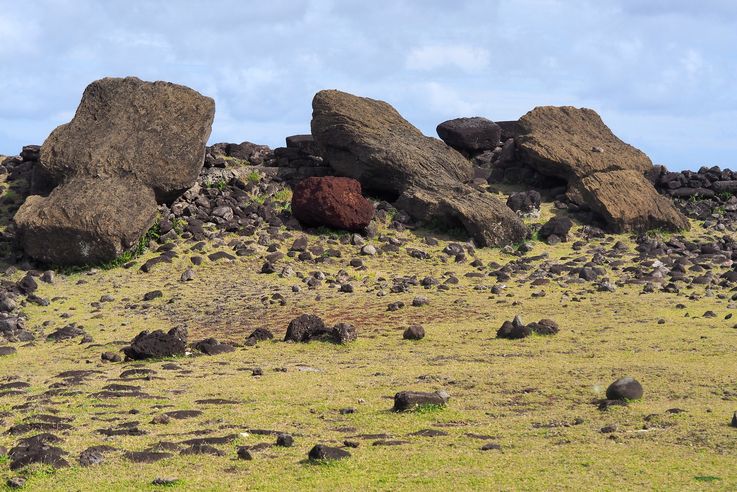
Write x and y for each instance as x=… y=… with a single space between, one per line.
x=96 y=181
x=707 y=194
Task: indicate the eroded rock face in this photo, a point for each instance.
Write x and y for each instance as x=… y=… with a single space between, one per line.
x=130 y=145
x=332 y=202
x=369 y=140
x=607 y=174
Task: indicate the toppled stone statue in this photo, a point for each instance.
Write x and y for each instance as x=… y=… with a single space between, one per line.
x=368 y=140
x=131 y=144
x=602 y=172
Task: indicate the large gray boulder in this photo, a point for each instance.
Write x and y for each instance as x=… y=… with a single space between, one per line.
x=607 y=174
x=369 y=140
x=130 y=145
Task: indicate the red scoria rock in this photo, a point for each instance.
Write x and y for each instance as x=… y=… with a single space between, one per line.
x=331 y=202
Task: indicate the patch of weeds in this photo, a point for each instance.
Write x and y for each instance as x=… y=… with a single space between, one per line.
x=428 y=408
x=4 y=459
x=283 y=195
x=41 y=471
x=283 y=199
x=720 y=210
x=253 y=177
x=152 y=234
x=725 y=195
x=326 y=231
x=259 y=199
x=235 y=160
x=179 y=225
x=220 y=184
x=659 y=233
x=706 y=478
x=324 y=463
x=170 y=483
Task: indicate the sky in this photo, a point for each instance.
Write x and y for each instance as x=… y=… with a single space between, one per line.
x=662 y=73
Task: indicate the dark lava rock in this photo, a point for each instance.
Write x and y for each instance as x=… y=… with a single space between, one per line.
x=284 y=440
x=326 y=453
x=414 y=332
x=557 y=226
x=491 y=446
x=157 y=344
x=304 y=328
x=420 y=301
x=259 y=335
x=196 y=449
x=183 y=414
x=37 y=449
x=65 y=333
x=429 y=433
x=94 y=455
x=220 y=255
x=344 y=333
x=514 y=329
x=625 y=388
x=28 y=284
x=164 y=481
x=211 y=346
x=472 y=135
x=7 y=351
x=244 y=453
x=111 y=357
x=331 y=202
x=395 y=306
x=154 y=294
x=524 y=202
x=146 y=456
x=409 y=400
x=544 y=327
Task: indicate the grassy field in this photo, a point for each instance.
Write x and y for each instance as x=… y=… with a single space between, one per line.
x=535 y=398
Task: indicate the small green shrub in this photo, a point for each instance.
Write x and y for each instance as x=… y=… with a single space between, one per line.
x=253 y=177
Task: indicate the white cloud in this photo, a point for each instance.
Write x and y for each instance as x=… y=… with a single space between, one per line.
x=444 y=99
x=433 y=57
x=662 y=71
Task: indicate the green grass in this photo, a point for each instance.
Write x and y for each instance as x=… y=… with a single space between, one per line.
x=518 y=394
x=152 y=234
x=333 y=233
x=725 y=195
x=220 y=184
x=253 y=177
x=428 y=408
